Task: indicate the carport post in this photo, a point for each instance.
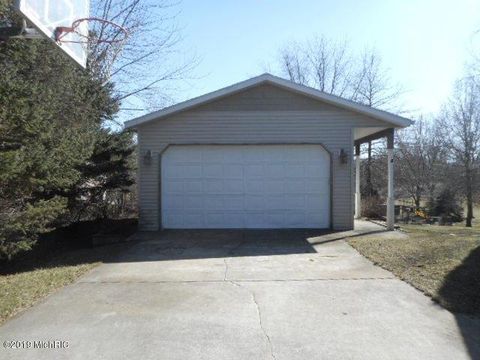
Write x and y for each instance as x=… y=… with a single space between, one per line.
x=358 y=197
x=390 y=194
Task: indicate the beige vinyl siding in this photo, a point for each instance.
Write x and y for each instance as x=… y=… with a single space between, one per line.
x=257 y=121
x=265 y=98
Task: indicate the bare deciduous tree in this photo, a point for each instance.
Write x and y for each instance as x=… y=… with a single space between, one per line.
x=460 y=123
x=420 y=160
x=143 y=64
x=331 y=67
x=319 y=63
x=371 y=85
x=293 y=64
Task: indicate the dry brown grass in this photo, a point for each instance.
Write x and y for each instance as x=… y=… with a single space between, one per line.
x=442 y=261
x=24 y=284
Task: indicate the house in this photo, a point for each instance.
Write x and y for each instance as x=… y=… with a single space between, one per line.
x=263 y=153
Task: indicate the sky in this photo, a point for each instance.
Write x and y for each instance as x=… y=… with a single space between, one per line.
x=423 y=43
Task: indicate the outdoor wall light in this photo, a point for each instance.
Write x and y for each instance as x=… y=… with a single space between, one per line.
x=343 y=156
x=147 y=157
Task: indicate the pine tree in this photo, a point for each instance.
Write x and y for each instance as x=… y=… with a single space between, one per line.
x=106 y=176
x=446 y=204
x=51 y=112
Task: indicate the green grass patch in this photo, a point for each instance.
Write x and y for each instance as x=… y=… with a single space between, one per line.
x=57 y=260
x=441 y=261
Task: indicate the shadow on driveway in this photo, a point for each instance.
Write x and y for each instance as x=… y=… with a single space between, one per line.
x=201 y=244
x=73 y=248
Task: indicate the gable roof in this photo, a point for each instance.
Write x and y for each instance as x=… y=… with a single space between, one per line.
x=395 y=120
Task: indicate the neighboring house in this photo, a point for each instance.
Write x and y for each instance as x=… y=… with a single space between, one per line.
x=263 y=153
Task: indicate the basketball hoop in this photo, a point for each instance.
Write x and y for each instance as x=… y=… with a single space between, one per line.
x=95 y=36
x=80 y=28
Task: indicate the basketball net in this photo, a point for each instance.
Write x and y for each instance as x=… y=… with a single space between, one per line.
x=101 y=39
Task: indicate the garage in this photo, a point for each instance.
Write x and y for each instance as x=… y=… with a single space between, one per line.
x=245 y=186
x=265 y=153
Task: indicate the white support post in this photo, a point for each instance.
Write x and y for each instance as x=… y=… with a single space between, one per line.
x=390 y=135
x=391 y=195
x=358 y=197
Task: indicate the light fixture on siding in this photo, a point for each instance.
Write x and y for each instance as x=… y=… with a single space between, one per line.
x=343 y=156
x=147 y=157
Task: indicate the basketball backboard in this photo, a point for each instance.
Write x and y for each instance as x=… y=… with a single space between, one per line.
x=48 y=15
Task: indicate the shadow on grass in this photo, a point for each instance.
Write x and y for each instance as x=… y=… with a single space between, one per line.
x=346 y=237
x=460 y=293
x=72 y=245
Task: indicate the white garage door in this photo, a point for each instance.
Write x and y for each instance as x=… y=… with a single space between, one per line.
x=245 y=186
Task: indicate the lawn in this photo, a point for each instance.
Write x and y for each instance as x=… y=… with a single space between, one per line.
x=441 y=261
x=50 y=266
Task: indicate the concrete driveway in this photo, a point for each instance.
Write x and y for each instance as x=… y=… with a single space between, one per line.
x=243 y=295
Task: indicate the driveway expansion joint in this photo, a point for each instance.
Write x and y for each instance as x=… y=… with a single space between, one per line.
x=230 y=280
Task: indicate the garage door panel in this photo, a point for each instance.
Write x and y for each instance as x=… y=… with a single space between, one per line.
x=228 y=219
x=294 y=186
x=252 y=154
x=174 y=219
x=233 y=220
x=234 y=202
x=254 y=171
x=254 y=202
x=245 y=186
x=192 y=186
x=171 y=186
x=294 y=218
x=174 y=202
x=233 y=186
x=293 y=156
x=273 y=202
x=211 y=154
x=275 y=187
x=192 y=219
x=183 y=154
x=313 y=203
x=191 y=201
x=293 y=170
x=213 y=186
x=315 y=171
x=274 y=171
x=192 y=171
x=215 y=219
x=232 y=155
x=174 y=171
x=275 y=220
x=254 y=186
x=234 y=171
x=256 y=220
x=213 y=171
x=317 y=187
x=294 y=201
x=315 y=217
x=213 y=202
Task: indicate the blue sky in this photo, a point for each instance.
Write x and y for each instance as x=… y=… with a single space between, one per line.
x=424 y=43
